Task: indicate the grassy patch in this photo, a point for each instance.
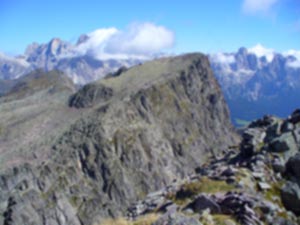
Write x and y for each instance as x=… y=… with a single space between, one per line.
x=144 y=220
x=245 y=178
x=205 y=185
x=217 y=219
x=208 y=186
x=273 y=194
x=221 y=219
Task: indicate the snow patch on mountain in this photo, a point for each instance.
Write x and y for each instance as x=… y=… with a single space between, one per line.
x=294 y=58
x=17 y=60
x=261 y=51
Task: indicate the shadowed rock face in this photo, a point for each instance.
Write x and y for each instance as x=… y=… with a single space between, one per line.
x=90 y=94
x=150 y=125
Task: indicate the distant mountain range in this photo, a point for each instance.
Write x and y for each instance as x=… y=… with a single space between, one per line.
x=255 y=81
x=81 y=67
x=258 y=81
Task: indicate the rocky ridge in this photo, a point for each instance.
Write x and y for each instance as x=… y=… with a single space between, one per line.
x=132 y=133
x=257 y=183
x=33 y=114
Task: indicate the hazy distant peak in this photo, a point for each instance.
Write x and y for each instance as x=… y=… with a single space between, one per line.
x=54 y=45
x=82 y=39
x=31 y=48
x=243 y=51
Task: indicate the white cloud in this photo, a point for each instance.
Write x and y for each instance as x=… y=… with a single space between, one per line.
x=295 y=63
x=20 y=61
x=97 y=40
x=223 y=58
x=258 y=6
x=139 y=40
x=261 y=51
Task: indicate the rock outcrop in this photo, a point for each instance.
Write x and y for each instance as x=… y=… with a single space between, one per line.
x=257 y=183
x=134 y=133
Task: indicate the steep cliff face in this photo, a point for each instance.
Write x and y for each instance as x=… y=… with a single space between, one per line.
x=137 y=132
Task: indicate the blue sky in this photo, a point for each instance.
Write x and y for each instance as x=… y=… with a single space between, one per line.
x=196 y=25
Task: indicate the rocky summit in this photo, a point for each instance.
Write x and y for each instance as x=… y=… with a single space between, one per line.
x=116 y=141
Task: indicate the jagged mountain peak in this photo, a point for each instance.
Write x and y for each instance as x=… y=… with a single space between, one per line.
x=31 y=48
x=81 y=66
x=242 y=51
x=56 y=46
x=258 y=80
x=82 y=39
x=51 y=46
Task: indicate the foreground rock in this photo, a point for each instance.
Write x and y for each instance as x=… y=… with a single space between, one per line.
x=258 y=183
x=136 y=133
